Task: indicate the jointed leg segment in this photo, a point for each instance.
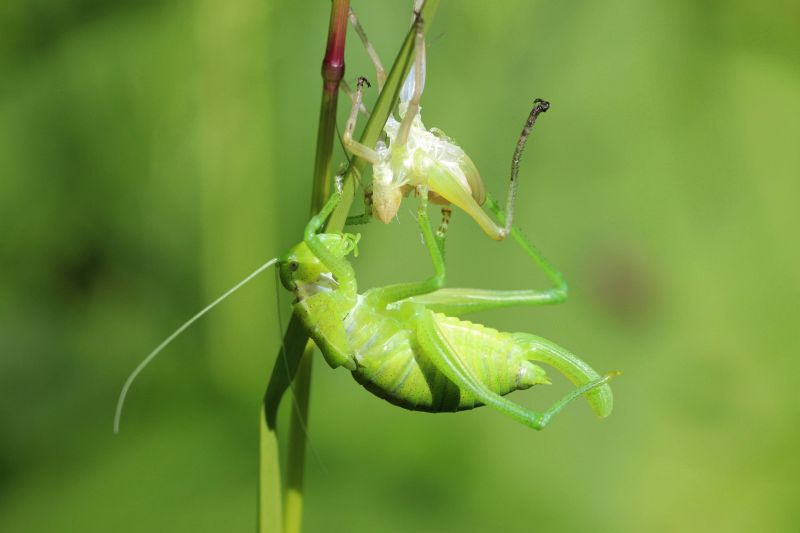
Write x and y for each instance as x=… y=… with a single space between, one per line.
x=401 y=291
x=339 y=267
x=458 y=302
x=355 y=147
x=345 y=87
x=380 y=72
x=448 y=188
x=448 y=362
x=539 y=107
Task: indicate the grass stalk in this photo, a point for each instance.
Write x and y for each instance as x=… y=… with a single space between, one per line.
x=295 y=362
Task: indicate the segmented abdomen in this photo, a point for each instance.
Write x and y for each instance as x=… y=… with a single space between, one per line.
x=392 y=365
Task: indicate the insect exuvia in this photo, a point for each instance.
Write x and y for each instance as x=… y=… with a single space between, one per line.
x=412 y=155
x=400 y=345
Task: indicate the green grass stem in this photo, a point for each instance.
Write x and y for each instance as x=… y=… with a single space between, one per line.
x=295 y=362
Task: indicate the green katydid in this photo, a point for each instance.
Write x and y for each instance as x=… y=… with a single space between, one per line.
x=395 y=339
x=399 y=344
x=417 y=156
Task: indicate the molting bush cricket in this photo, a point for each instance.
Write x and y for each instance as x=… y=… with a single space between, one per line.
x=401 y=342
x=406 y=343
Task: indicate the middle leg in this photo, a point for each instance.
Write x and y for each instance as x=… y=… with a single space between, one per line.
x=401 y=291
x=461 y=301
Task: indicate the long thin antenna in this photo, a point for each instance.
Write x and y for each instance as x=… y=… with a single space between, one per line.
x=152 y=355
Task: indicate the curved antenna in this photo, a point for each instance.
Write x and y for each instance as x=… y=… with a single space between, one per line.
x=152 y=355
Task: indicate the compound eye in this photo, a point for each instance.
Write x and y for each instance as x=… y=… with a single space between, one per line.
x=294 y=265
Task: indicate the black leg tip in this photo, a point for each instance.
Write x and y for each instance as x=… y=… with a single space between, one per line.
x=541 y=105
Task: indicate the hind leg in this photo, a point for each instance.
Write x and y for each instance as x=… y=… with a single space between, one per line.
x=541 y=350
x=449 y=363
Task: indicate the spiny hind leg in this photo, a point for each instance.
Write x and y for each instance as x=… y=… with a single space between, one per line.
x=588 y=388
x=449 y=363
x=539 y=106
x=441 y=232
x=499 y=227
x=571 y=366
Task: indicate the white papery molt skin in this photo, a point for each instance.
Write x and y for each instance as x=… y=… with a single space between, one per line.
x=407 y=91
x=400 y=167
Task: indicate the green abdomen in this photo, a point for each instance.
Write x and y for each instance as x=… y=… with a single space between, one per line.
x=392 y=365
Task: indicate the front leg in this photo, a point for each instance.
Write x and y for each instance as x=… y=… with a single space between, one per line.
x=338 y=266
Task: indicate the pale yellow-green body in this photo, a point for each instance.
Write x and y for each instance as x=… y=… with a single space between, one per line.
x=399 y=344
x=391 y=362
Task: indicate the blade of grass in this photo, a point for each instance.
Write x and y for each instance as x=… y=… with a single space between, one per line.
x=274 y=516
x=270 y=493
x=332 y=74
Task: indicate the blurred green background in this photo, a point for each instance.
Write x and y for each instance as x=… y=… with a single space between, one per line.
x=153 y=153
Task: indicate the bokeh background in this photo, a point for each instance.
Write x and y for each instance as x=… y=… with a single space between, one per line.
x=153 y=153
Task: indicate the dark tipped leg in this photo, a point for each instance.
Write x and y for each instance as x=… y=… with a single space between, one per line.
x=441 y=232
x=539 y=106
x=353 y=146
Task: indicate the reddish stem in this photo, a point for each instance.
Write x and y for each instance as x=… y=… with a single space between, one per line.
x=332 y=74
x=333 y=63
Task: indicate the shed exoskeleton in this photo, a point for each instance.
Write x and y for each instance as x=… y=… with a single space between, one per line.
x=411 y=156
